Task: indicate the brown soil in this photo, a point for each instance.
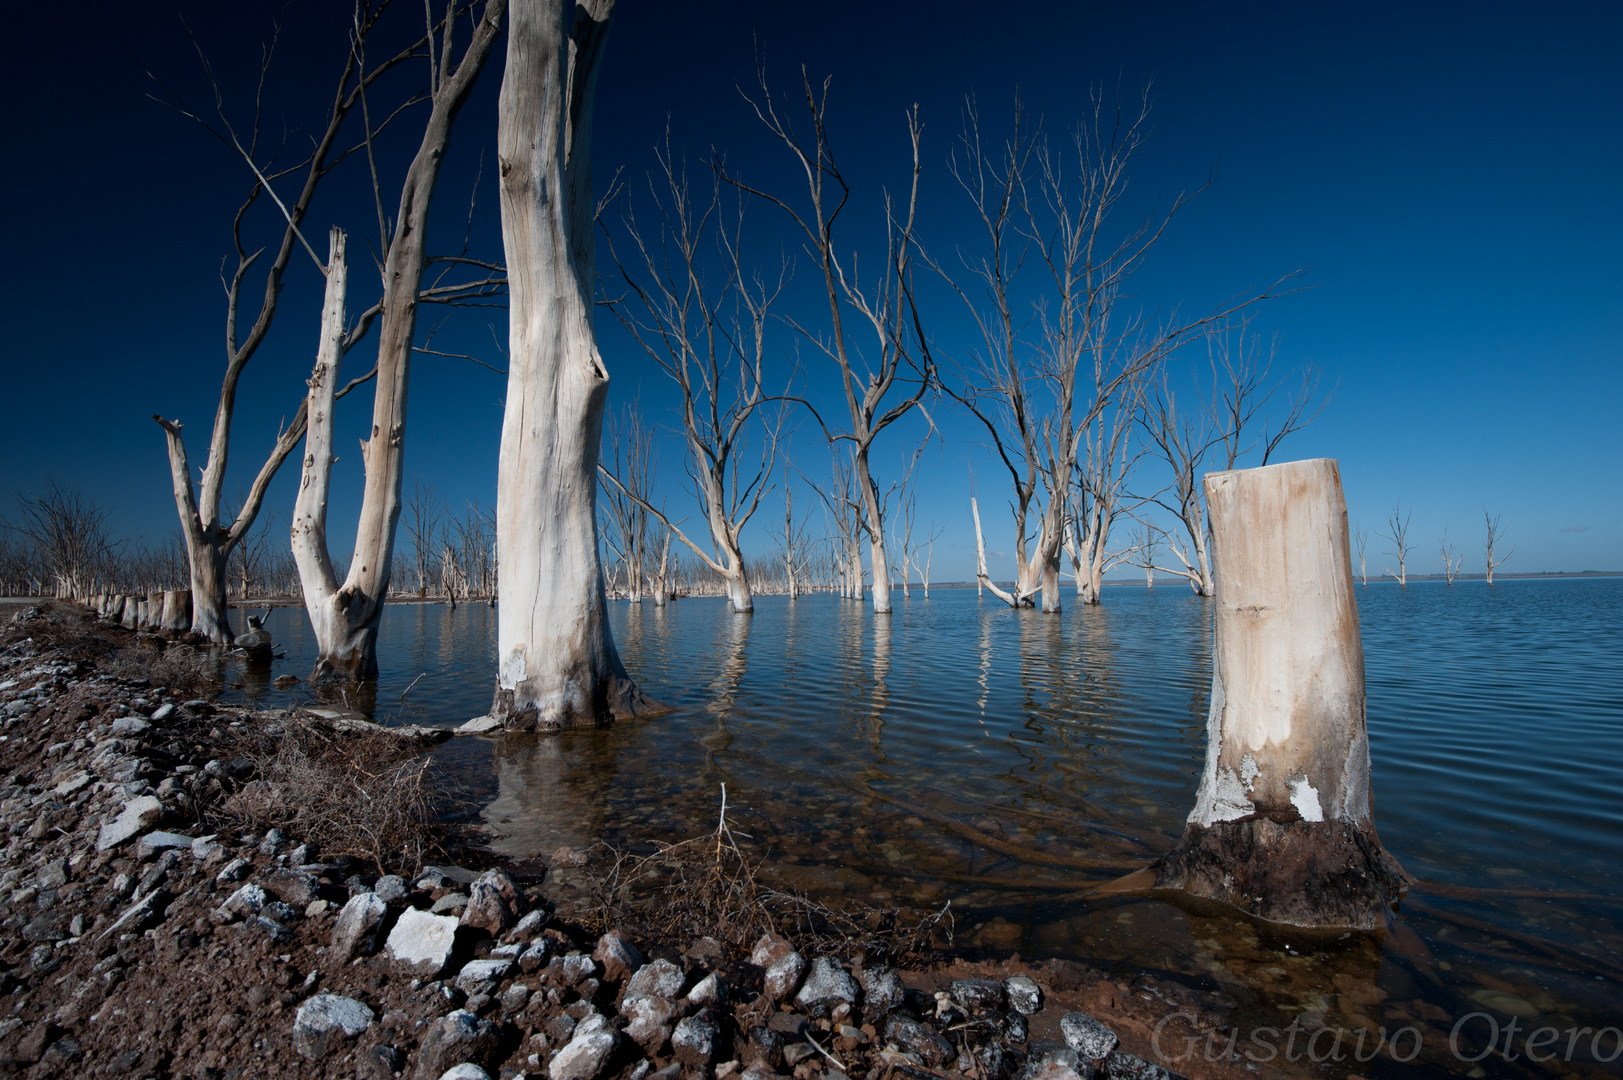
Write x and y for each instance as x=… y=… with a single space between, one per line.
x=94 y=982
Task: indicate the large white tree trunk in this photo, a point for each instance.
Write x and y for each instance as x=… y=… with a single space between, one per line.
x=1282 y=826
x=557 y=665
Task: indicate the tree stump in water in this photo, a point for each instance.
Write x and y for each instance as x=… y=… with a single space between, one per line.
x=177 y=611
x=1282 y=827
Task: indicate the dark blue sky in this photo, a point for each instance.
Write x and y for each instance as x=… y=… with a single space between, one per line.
x=1448 y=173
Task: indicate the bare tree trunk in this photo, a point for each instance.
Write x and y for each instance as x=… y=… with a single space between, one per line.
x=982 y=578
x=177 y=611
x=557 y=665
x=346 y=618
x=661 y=583
x=1495 y=535
x=1282 y=826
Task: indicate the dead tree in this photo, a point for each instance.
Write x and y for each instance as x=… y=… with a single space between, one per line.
x=422 y=523
x=210 y=538
x=1496 y=535
x=628 y=491
x=898 y=356
x=1051 y=211
x=1361 y=542
x=1398 y=532
x=67 y=532
x=1146 y=542
x=345 y=615
x=1451 y=558
x=1224 y=426
x=1282 y=826
x=709 y=337
x=556 y=662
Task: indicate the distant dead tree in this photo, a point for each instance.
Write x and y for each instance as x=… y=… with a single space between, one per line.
x=796 y=546
x=1146 y=542
x=1058 y=391
x=1451 y=558
x=1224 y=426
x=708 y=333
x=209 y=538
x=422 y=523
x=1361 y=541
x=897 y=357
x=628 y=492
x=67 y=531
x=923 y=567
x=1496 y=536
x=1398 y=532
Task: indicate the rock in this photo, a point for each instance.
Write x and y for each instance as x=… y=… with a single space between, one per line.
x=494 y=903
x=827 y=986
x=292 y=886
x=206 y=847
x=479 y=725
x=325 y=1021
x=1091 y=1040
x=465 y=1071
x=481 y=976
x=515 y=997
x=913 y=1037
x=620 y=959
x=72 y=785
x=660 y=978
x=1025 y=996
x=379 y=1062
x=272 y=840
x=246 y=901
x=568 y=856
x=452 y=903
x=783 y=977
x=882 y=992
x=423 y=941
x=711 y=992
x=769 y=950
x=765 y=1046
x=534 y=958
x=571 y=970
x=758 y=1070
x=156 y=843
x=1015 y=1029
x=459 y=874
x=791 y=1025
x=1123 y=1066
x=529 y=926
x=587 y=1051
x=694 y=1040
x=357 y=928
x=1060 y=1063
x=138 y=815
x=270 y=928
x=163 y=713
x=650 y=1019
x=977 y=995
x=990 y=1062
x=391 y=887
x=302 y=855
x=456 y=1038
x=53 y=875
x=146 y=912
x=129 y=725
x=235 y=870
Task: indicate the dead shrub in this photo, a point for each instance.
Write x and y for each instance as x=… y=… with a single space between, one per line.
x=370 y=795
x=707 y=887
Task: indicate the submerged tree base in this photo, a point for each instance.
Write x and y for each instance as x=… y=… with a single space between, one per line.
x=1321 y=874
x=614 y=698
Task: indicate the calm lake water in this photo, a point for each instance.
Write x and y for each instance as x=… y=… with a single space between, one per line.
x=959 y=750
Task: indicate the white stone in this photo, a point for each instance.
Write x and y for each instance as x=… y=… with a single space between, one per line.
x=322 y=1018
x=465 y=1071
x=155 y=842
x=138 y=815
x=478 y=976
x=587 y=1052
x=423 y=940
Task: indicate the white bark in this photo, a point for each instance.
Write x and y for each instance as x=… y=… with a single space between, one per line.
x=1282 y=824
x=177 y=611
x=557 y=665
x=982 y=579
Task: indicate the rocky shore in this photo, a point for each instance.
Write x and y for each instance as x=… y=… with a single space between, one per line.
x=144 y=938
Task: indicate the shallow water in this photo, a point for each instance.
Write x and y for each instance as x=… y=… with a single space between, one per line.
x=1004 y=759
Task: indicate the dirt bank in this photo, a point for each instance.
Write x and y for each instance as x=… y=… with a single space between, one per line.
x=158 y=923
